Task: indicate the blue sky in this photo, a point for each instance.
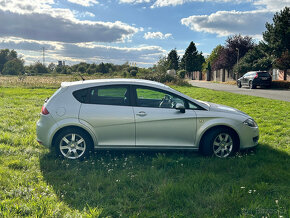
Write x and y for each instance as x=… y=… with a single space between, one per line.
x=116 y=31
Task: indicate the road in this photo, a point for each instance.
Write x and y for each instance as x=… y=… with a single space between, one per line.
x=283 y=95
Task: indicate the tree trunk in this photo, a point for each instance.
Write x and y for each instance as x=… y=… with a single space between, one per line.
x=285 y=75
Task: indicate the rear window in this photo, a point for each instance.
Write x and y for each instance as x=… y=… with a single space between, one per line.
x=82 y=95
x=107 y=95
x=263 y=74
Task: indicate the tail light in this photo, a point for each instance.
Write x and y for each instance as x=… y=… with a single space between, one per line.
x=256 y=76
x=44 y=111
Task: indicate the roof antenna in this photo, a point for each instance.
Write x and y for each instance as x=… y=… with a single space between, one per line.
x=82 y=77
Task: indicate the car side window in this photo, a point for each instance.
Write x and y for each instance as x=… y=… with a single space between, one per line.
x=109 y=95
x=147 y=97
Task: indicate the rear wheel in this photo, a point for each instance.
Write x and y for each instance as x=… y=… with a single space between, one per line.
x=220 y=142
x=73 y=143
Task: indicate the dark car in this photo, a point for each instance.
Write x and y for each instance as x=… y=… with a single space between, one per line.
x=253 y=79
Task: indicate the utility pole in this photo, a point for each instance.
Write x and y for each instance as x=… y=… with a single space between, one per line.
x=43 y=56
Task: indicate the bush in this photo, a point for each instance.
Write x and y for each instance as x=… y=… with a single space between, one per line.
x=281 y=84
x=133 y=72
x=181 y=74
x=165 y=78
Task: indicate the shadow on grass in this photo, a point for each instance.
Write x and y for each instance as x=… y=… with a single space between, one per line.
x=178 y=183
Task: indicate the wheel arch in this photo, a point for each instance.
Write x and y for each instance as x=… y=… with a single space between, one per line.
x=206 y=131
x=69 y=126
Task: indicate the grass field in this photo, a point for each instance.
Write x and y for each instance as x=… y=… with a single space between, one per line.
x=147 y=184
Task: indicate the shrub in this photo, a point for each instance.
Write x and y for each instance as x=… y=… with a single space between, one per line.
x=133 y=72
x=181 y=74
x=124 y=74
x=165 y=78
x=281 y=84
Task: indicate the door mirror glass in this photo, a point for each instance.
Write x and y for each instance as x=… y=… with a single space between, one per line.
x=180 y=107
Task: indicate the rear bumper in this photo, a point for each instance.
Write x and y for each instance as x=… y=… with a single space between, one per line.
x=43 y=128
x=262 y=83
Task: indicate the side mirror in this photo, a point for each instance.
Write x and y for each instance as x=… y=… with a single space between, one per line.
x=180 y=107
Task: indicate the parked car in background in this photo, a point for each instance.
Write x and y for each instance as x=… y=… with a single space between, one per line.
x=139 y=114
x=253 y=79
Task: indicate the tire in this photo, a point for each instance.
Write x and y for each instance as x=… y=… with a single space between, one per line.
x=73 y=143
x=239 y=84
x=219 y=142
x=251 y=85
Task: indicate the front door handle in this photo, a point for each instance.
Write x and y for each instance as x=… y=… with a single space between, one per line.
x=141 y=114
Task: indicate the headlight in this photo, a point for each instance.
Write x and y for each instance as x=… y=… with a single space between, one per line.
x=250 y=122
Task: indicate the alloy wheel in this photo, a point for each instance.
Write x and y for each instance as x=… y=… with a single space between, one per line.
x=223 y=145
x=72 y=146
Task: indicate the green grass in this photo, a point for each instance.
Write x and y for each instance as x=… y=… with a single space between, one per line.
x=147 y=184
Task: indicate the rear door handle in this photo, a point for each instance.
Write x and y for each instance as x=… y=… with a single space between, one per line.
x=141 y=114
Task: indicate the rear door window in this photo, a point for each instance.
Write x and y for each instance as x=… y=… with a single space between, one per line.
x=110 y=95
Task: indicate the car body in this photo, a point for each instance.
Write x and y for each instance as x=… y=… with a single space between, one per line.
x=253 y=79
x=139 y=114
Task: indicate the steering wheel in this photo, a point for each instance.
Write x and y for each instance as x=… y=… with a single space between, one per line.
x=166 y=102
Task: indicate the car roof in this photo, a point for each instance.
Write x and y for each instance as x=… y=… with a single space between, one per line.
x=98 y=82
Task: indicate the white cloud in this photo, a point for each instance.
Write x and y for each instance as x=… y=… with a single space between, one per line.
x=31 y=51
x=273 y=5
x=85 y=3
x=29 y=45
x=157 y=35
x=40 y=21
x=83 y=14
x=225 y=23
x=260 y=4
x=134 y=1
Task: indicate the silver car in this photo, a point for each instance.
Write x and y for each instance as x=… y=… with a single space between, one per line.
x=139 y=114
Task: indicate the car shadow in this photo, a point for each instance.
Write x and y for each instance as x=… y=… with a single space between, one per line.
x=116 y=180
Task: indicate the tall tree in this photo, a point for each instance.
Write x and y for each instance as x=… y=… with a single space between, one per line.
x=283 y=63
x=13 y=67
x=212 y=57
x=173 y=60
x=277 y=35
x=5 y=56
x=200 y=61
x=189 y=58
x=235 y=48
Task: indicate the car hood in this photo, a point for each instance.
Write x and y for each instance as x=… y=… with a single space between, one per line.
x=224 y=108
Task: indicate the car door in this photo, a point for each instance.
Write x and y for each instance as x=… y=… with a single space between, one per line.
x=245 y=79
x=158 y=123
x=109 y=112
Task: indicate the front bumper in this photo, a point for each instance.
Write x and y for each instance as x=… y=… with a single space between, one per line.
x=249 y=136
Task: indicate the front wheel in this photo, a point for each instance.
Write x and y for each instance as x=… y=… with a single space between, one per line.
x=73 y=144
x=239 y=84
x=219 y=142
x=251 y=85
